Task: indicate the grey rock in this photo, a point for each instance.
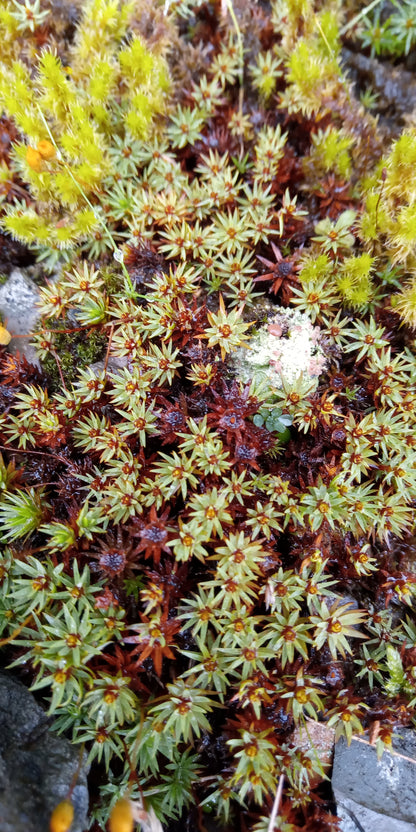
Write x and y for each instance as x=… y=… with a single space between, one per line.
x=18 y=298
x=387 y=786
x=114 y=364
x=356 y=818
x=37 y=767
x=396 y=86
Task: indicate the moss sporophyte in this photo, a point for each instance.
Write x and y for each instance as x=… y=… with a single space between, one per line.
x=207 y=484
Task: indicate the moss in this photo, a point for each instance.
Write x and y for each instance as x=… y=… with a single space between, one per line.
x=76 y=350
x=77 y=122
x=178 y=549
x=112 y=280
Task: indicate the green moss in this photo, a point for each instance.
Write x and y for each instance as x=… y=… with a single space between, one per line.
x=78 y=121
x=331 y=152
x=191 y=552
x=75 y=350
x=112 y=280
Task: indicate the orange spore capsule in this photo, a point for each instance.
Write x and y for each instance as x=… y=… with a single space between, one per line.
x=121 y=817
x=5 y=336
x=34 y=159
x=46 y=149
x=62 y=817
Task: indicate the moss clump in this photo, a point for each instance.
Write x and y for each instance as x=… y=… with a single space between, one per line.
x=186 y=579
x=75 y=350
x=78 y=122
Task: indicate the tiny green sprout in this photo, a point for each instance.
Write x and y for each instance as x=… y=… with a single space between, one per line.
x=92 y=311
x=8 y=473
x=369 y=99
x=21 y=513
x=61 y=536
x=177 y=785
x=275 y=421
x=91 y=521
x=242 y=163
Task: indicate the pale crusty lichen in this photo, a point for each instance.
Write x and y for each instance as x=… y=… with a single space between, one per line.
x=284 y=349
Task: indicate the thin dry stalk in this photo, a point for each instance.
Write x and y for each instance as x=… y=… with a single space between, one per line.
x=276 y=804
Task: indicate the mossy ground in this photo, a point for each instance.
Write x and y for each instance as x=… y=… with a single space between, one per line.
x=185 y=589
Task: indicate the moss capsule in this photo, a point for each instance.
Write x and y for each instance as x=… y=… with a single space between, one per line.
x=34 y=159
x=121 y=817
x=62 y=817
x=46 y=149
x=5 y=336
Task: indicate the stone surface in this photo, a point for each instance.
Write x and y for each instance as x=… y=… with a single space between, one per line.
x=317 y=736
x=36 y=766
x=18 y=298
x=386 y=786
x=356 y=818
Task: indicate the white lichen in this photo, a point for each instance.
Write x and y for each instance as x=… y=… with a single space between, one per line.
x=286 y=348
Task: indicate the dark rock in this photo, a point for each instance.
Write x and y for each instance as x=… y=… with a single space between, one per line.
x=36 y=766
x=12 y=253
x=387 y=786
